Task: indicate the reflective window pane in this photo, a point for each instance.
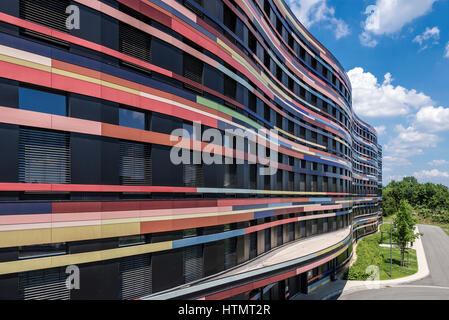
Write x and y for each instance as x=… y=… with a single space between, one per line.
x=41 y=101
x=132 y=119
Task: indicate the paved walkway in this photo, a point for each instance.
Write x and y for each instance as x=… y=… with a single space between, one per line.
x=295 y=250
x=436 y=246
x=343 y=287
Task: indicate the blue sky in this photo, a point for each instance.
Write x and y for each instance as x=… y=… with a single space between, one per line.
x=396 y=53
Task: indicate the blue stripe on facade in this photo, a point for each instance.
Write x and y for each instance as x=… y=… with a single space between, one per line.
x=25 y=208
x=263 y=214
x=208 y=238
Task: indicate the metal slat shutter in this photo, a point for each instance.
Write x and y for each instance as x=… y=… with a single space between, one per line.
x=135 y=43
x=44 y=156
x=135 y=277
x=279 y=235
x=267 y=239
x=194 y=9
x=291 y=232
x=230 y=175
x=50 y=13
x=193 y=263
x=135 y=164
x=193 y=175
x=253 y=245
x=193 y=70
x=230 y=253
x=46 y=284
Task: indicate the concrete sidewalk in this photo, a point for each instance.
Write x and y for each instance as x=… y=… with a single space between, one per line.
x=341 y=287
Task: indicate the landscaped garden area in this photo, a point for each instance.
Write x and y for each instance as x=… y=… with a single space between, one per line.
x=369 y=252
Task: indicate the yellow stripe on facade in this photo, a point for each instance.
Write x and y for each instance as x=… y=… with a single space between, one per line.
x=79 y=258
x=25 y=63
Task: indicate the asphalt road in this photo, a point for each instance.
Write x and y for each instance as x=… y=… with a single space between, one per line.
x=433 y=287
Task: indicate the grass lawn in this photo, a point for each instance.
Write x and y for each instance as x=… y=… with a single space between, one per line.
x=445 y=229
x=422 y=220
x=388 y=219
x=398 y=271
x=370 y=253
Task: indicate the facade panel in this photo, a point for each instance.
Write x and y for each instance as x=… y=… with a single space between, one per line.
x=88 y=176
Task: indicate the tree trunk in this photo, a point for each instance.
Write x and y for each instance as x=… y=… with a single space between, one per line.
x=402 y=256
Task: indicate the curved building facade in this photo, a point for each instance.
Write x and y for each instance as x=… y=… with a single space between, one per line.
x=92 y=94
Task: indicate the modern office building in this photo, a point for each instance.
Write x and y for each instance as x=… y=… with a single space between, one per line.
x=90 y=93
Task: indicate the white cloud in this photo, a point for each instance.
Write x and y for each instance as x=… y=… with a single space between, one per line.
x=429 y=174
x=388 y=17
x=409 y=142
x=367 y=40
x=379 y=100
x=446 y=55
x=433 y=119
x=438 y=163
x=430 y=34
x=310 y=12
x=381 y=130
x=395 y=161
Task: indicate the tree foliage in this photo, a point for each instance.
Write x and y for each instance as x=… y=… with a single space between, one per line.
x=429 y=200
x=404 y=227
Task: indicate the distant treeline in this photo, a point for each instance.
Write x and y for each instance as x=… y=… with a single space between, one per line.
x=430 y=201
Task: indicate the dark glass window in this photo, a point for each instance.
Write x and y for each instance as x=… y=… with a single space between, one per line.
x=302 y=92
x=131 y=240
x=252 y=42
x=230 y=19
x=41 y=101
x=252 y=102
x=230 y=87
x=131 y=119
x=193 y=8
x=40 y=250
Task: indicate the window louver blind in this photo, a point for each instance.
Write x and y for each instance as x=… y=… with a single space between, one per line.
x=267 y=239
x=46 y=284
x=135 y=164
x=193 y=263
x=253 y=245
x=230 y=253
x=253 y=176
x=193 y=70
x=193 y=8
x=135 y=277
x=291 y=232
x=230 y=87
x=279 y=235
x=44 y=156
x=50 y=13
x=230 y=176
x=193 y=175
x=135 y=43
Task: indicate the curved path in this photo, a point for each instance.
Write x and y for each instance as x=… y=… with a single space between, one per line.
x=433 y=287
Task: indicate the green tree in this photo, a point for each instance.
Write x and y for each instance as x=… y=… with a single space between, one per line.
x=404 y=227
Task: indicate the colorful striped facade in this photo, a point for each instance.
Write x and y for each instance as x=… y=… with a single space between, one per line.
x=86 y=121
